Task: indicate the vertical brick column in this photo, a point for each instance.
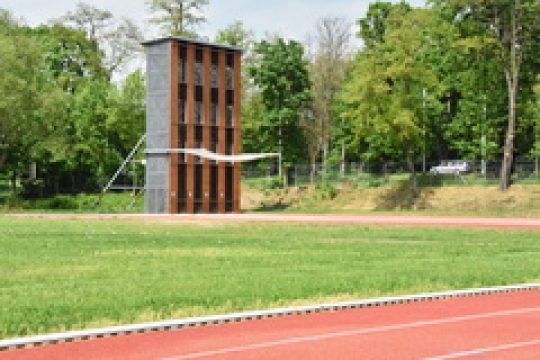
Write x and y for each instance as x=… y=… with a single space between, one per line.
x=222 y=114
x=173 y=128
x=207 y=135
x=190 y=128
x=237 y=130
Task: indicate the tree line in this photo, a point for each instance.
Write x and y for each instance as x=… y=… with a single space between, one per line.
x=453 y=79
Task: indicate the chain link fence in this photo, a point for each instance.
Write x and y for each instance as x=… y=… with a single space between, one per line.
x=379 y=174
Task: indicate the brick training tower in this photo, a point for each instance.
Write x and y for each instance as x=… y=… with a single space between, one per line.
x=193 y=102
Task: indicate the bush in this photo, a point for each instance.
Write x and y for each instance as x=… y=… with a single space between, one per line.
x=326 y=191
x=275 y=183
x=375 y=182
x=32 y=189
x=58 y=202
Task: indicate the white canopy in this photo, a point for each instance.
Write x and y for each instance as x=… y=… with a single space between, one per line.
x=213 y=156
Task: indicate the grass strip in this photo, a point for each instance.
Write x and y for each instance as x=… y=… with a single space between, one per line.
x=69 y=274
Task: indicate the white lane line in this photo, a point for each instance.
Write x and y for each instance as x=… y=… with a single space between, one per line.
x=485 y=350
x=351 y=333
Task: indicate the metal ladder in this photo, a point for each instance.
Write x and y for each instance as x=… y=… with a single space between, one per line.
x=119 y=171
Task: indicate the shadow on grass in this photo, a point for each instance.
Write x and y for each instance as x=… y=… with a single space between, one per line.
x=268 y=207
x=402 y=197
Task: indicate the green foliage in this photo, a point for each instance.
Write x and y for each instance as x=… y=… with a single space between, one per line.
x=235 y=35
x=111 y=203
x=376 y=182
x=275 y=183
x=126 y=113
x=374 y=26
x=385 y=95
x=535 y=119
x=70 y=55
x=59 y=110
x=256 y=135
x=81 y=148
x=429 y=82
x=265 y=183
x=480 y=76
x=508 y=31
x=282 y=77
x=27 y=99
x=325 y=190
x=119 y=40
x=58 y=202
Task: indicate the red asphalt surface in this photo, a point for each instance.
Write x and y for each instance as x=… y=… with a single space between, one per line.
x=495 y=327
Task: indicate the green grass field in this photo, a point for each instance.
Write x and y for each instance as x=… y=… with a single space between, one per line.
x=58 y=275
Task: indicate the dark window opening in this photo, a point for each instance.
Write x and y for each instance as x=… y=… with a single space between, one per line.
x=198 y=182
x=182 y=142
x=230 y=60
x=199 y=53
x=182 y=111
x=214 y=176
x=215 y=57
x=182 y=193
x=229 y=183
x=182 y=64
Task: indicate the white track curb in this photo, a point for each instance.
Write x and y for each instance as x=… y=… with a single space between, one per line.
x=245 y=316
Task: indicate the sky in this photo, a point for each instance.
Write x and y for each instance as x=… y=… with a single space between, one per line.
x=292 y=19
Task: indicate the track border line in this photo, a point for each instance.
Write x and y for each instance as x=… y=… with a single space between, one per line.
x=72 y=336
x=483 y=351
x=348 y=333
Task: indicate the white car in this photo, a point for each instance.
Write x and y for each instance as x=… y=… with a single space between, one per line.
x=451 y=167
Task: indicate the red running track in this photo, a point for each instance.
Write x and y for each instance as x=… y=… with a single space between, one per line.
x=495 y=327
x=411 y=220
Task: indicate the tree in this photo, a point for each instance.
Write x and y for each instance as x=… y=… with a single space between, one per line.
x=180 y=17
x=93 y=21
x=252 y=109
x=373 y=29
x=282 y=76
x=389 y=85
x=475 y=107
x=256 y=135
x=373 y=26
x=236 y=35
x=70 y=156
x=58 y=110
x=511 y=29
x=7 y=21
x=330 y=55
x=123 y=44
x=28 y=100
x=126 y=113
x=87 y=159
x=120 y=40
x=70 y=55
x=535 y=150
